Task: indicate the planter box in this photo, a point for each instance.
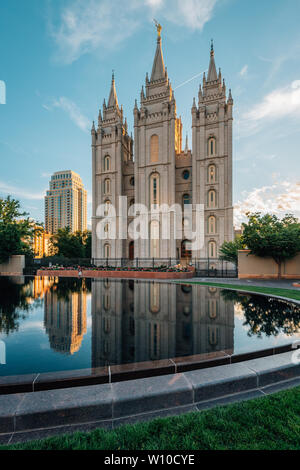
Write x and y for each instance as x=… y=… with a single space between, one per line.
x=14 y=267
x=117 y=274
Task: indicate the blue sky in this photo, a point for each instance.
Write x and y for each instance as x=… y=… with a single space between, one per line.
x=56 y=59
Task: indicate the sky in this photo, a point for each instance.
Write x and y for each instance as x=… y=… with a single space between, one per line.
x=56 y=61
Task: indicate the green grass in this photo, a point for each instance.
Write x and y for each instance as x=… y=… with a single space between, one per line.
x=288 y=293
x=271 y=422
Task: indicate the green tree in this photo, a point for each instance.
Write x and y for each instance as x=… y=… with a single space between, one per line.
x=266 y=316
x=88 y=243
x=71 y=245
x=16 y=229
x=269 y=236
x=229 y=250
x=15 y=302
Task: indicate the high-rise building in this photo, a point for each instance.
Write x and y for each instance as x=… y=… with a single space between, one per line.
x=41 y=243
x=66 y=203
x=153 y=169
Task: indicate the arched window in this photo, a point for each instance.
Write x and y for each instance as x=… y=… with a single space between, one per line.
x=107 y=250
x=212 y=199
x=186 y=252
x=154 y=189
x=212 y=174
x=186 y=223
x=106 y=301
x=106 y=324
x=131 y=250
x=107 y=163
x=212 y=146
x=186 y=199
x=107 y=208
x=106 y=230
x=154 y=298
x=154 y=239
x=212 y=308
x=154 y=334
x=154 y=149
x=213 y=335
x=212 y=249
x=107 y=186
x=212 y=225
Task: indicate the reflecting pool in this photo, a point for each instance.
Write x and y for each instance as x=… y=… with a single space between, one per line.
x=50 y=324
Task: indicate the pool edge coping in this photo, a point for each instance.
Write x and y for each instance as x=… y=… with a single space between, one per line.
x=123 y=401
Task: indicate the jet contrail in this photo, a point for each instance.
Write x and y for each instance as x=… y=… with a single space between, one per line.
x=188 y=81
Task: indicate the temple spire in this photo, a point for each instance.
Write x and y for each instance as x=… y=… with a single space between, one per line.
x=158 y=69
x=212 y=71
x=113 y=99
x=186 y=144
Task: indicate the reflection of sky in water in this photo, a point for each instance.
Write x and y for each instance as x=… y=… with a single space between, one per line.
x=182 y=318
x=28 y=350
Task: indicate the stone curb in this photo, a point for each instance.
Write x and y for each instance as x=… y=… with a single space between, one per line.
x=118 y=401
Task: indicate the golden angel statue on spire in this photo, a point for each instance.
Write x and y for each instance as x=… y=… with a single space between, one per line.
x=158 y=27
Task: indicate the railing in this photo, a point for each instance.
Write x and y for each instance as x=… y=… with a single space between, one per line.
x=214 y=267
x=205 y=267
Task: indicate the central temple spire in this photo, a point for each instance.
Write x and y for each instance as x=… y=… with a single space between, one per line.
x=212 y=71
x=158 y=69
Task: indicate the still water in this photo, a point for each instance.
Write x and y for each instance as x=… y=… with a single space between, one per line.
x=50 y=324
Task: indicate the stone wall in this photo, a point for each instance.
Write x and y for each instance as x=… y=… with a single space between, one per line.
x=254 y=267
x=14 y=267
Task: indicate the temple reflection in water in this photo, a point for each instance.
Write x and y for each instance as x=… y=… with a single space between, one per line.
x=136 y=322
x=59 y=324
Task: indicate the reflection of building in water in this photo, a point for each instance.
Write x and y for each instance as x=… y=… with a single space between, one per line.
x=41 y=285
x=204 y=321
x=65 y=320
x=156 y=321
x=107 y=307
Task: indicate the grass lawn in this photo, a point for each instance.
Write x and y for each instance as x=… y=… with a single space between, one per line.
x=288 y=293
x=271 y=422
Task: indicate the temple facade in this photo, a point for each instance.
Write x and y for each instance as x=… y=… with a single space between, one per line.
x=153 y=169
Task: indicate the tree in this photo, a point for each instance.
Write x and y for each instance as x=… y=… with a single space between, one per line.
x=71 y=245
x=268 y=236
x=16 y=229
x=266 y=316
x=15 y=302
x=229 y=250
x=88 y=243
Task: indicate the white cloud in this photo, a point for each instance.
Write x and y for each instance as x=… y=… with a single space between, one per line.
x=15 y=191
x=72 y=110
x=88 y=25
x=280 y=199
x=154 y=3
x=279 y=103
x=244 y=71
x=191 y=13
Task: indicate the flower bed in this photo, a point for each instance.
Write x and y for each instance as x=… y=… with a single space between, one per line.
x=159 y=269
x=162 y=272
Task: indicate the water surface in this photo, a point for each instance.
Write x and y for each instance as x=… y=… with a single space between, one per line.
x=47 y=324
